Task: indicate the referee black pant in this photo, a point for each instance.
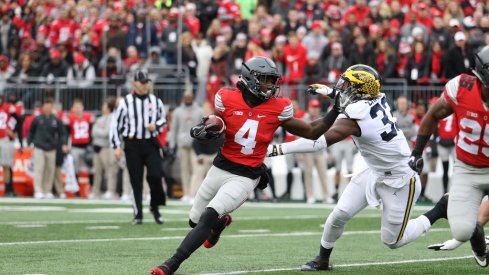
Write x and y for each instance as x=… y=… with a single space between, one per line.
x=140 y=153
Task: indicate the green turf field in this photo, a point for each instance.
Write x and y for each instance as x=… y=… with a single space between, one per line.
x=86 y=237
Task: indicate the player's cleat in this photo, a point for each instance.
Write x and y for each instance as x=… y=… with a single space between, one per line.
x=481 y=260
x=137 y=221
x=448 y=245
x=166 y=268
x=216 y=232
x=316 y=265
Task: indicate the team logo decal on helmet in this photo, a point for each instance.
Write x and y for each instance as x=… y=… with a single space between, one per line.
x=362 y=80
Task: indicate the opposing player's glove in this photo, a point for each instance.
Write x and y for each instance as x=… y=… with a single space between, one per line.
x=200 y=132
x=274 y=150
x=321 y=89
x=416 y=163
x=342 y=100
x=448 y=245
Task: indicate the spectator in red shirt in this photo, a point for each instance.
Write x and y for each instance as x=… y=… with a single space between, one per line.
x=360 y=10
x=436 y=61
x=190 y=20
x=295 y=59
x=63 y=29
x=402 y=58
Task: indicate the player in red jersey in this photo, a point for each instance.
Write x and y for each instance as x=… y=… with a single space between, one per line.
x=252 y=113
x=468 y=98
x=7 y=136
x=79 y=124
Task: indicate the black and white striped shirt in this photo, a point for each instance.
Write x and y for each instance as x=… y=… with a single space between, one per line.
x=132 y=114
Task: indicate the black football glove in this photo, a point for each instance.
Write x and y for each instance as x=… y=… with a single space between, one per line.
x=200 y=131
x=263 y=182
x=416 y=163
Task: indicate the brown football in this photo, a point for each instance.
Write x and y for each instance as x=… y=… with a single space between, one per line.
x=218 y=125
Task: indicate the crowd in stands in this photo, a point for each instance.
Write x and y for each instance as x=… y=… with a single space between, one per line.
x=422 y=41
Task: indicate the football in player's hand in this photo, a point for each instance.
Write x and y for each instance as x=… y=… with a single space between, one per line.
x=215 y=124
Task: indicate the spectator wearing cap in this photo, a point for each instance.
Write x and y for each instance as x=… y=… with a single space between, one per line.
x=139 y=118
x=82 y=73
x=207 y=11
x=315 y=160
x=8 y=33
x=266 y=41
x=295 y=59
x=440 y=33
x=138 y=35
x=458 y=59
x=56 y=67
x=170 y=37
x=393 y=33
x=423 y=15
x=315 y=41
x=190 y=20
x=418 y=67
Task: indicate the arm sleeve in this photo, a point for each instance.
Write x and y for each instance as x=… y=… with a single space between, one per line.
x=300 y=145
x=161 y=115
x=451 y=90
x=116 y=125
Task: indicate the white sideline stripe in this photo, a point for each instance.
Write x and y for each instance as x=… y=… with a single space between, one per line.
x=254 y=231
x=32 y=208
x=249 y=218
x=290 y=234
x=176 y=229
x=30 y=225
x=294 y=205
x=122 y=210
x=346 y=265
x=102 y=227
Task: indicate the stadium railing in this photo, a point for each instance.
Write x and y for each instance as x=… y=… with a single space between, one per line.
x=170 y=89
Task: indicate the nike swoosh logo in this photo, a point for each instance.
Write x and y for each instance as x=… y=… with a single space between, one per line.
x=260 y=116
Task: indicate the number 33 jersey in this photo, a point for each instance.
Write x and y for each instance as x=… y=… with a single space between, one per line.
x=463 y=93
x=381 y=143
x=249 y=131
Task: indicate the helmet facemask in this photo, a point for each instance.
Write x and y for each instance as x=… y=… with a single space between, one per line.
x=263 y=86
x=481 y=70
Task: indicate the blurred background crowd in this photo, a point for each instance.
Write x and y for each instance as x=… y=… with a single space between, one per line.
x=416 y=45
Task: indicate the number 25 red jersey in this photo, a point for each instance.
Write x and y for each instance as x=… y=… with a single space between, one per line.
x=249 y=131
x=463 y=93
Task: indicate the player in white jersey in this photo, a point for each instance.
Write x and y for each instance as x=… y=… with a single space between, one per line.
x=388 y=178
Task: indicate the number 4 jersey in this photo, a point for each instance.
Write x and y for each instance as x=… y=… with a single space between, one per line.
x=249 y=131
x=381 y=143
x=463 y=93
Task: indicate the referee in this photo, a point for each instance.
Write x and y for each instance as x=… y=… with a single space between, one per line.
x=139 y=118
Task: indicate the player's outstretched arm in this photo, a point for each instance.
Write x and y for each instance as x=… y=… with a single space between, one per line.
x=341 y=129
x=440 y=110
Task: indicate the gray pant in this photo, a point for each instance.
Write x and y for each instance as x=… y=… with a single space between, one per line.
x=469 y=184
x=105 y=164
x=222 y=191
x=44 y=166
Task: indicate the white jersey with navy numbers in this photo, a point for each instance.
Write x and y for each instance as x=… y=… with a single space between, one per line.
x=381 y=143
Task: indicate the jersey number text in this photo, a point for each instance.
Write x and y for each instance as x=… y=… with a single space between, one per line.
x=249 y=130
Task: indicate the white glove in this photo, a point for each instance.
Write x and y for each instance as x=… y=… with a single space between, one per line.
x=321 y=89
x=448 y=245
